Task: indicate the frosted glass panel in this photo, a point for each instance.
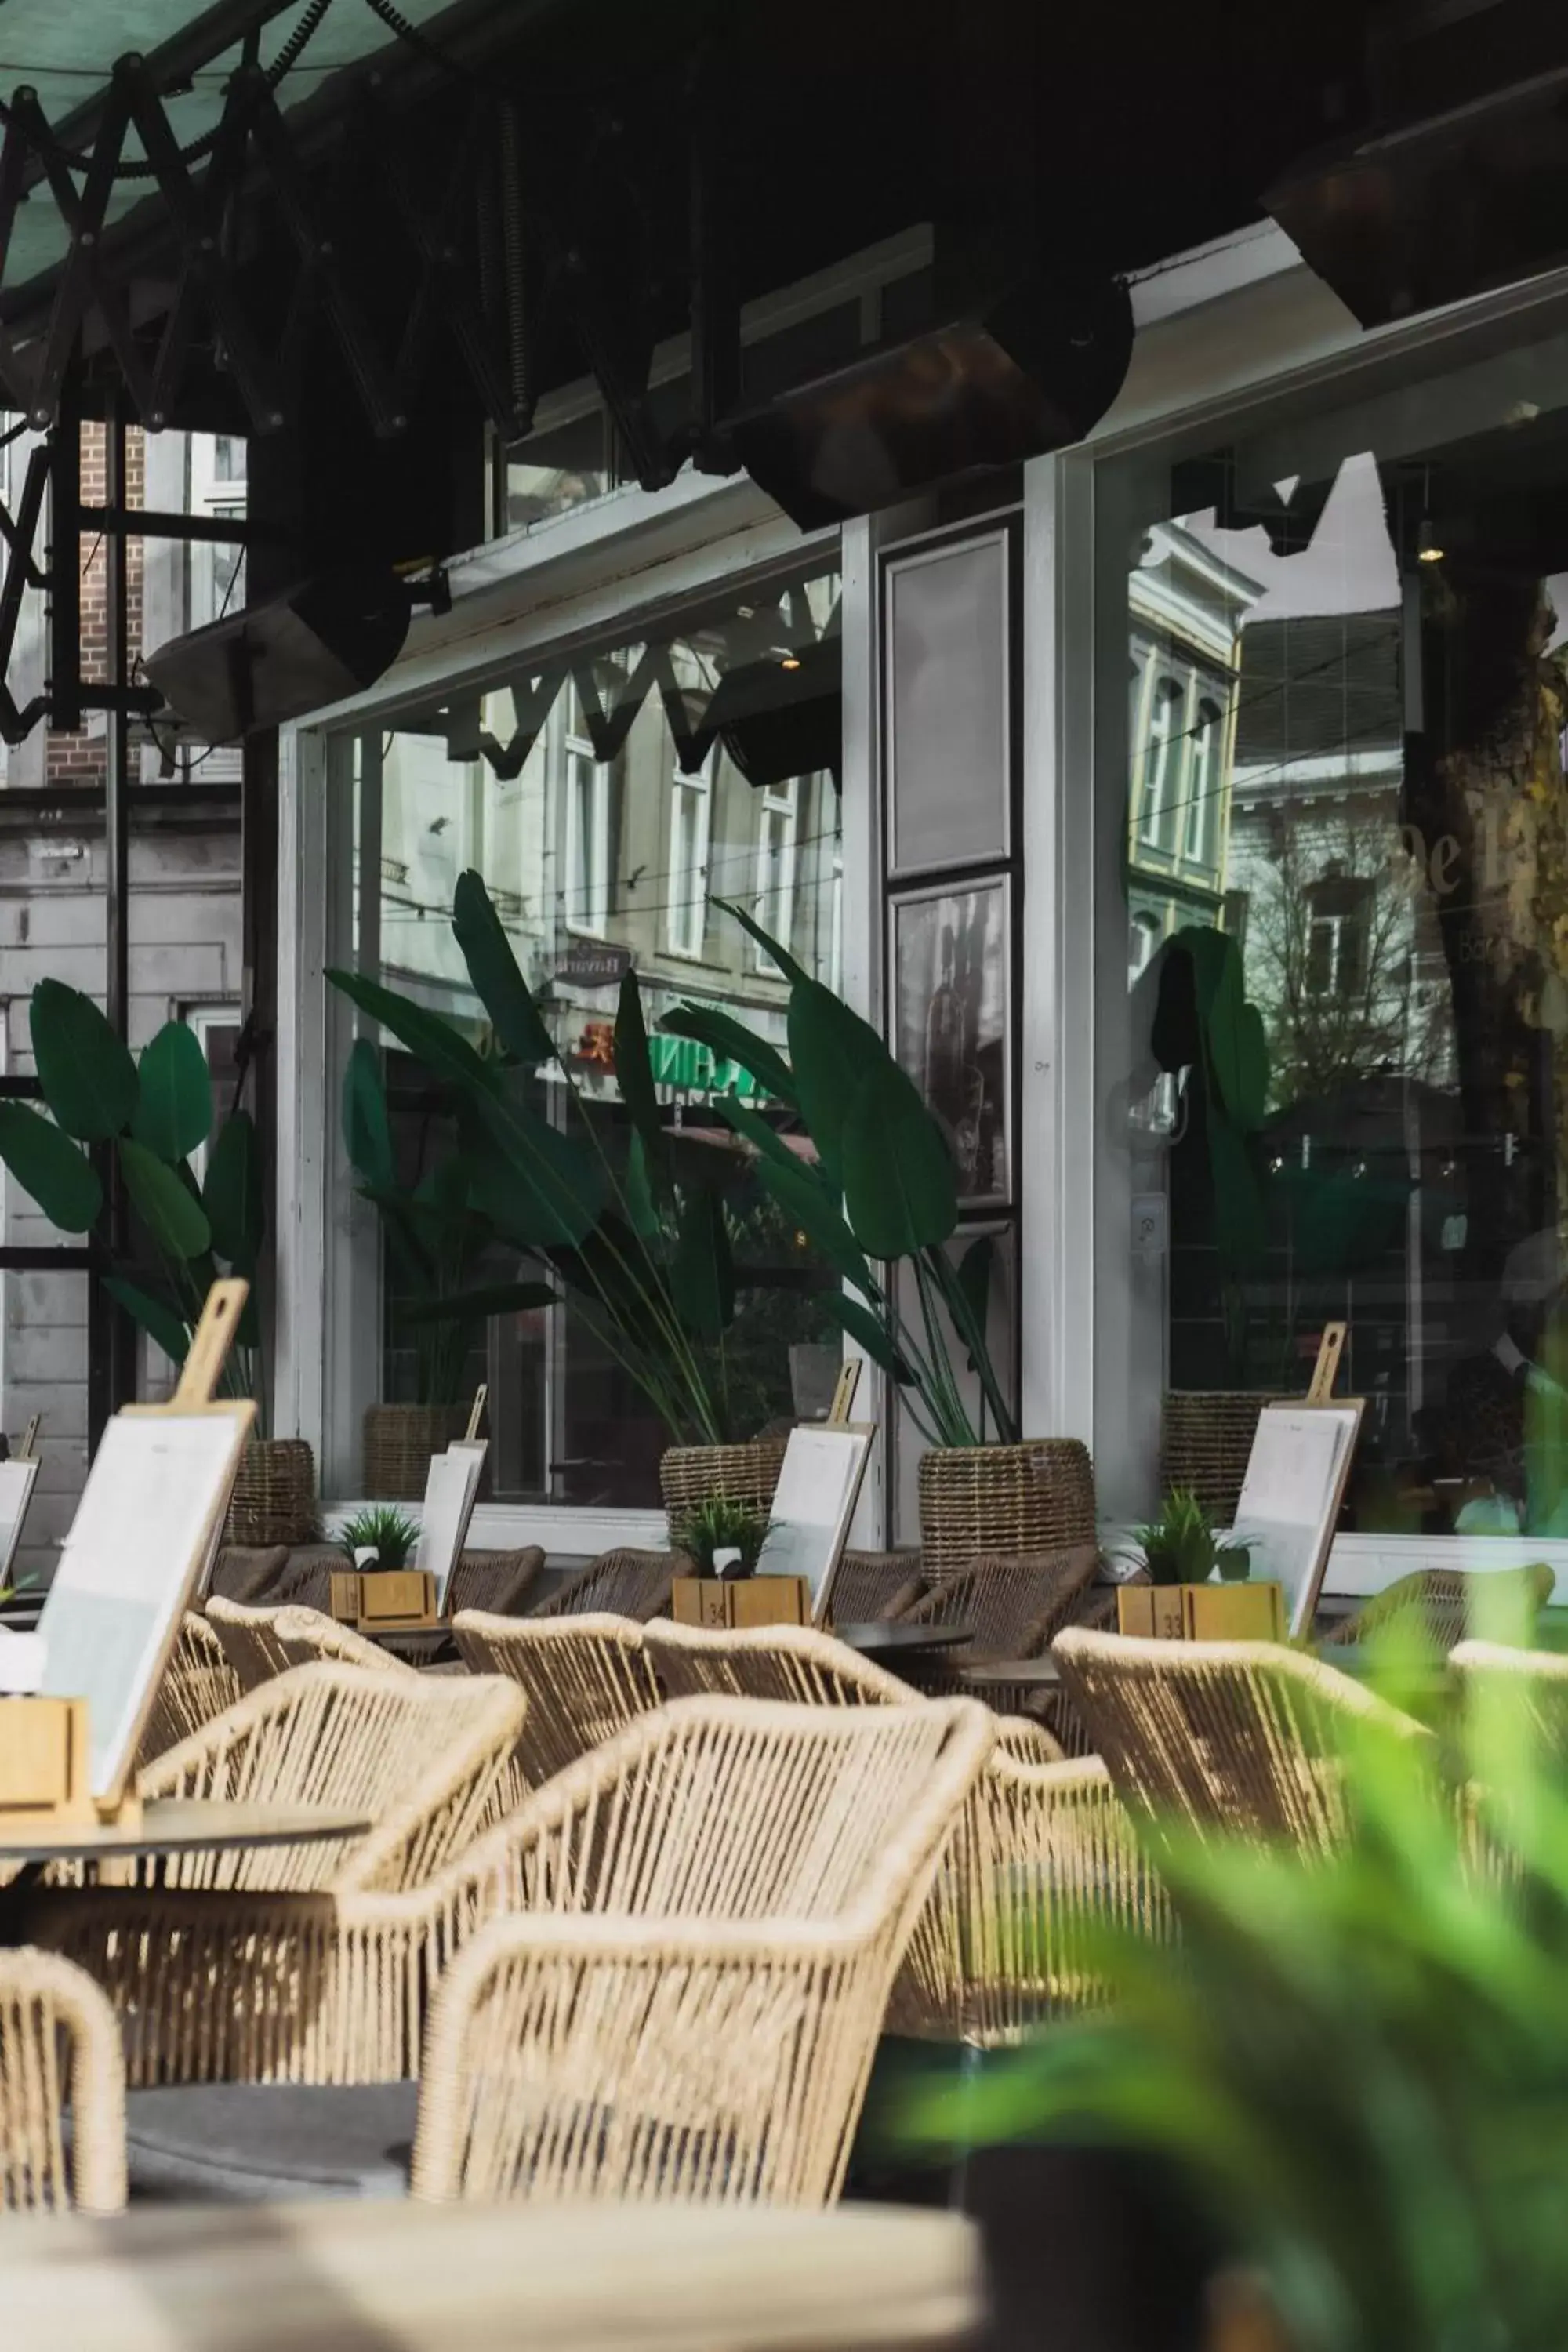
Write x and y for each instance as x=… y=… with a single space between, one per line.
x=947 y=706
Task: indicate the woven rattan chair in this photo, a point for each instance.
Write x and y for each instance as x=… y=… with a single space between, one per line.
x=1014 y=1605
x=619 y=1584
x=497 y=1581
x=197 y=1686
x=250 y=1638
x=226 y=1967
x=1448 y=1602
x=873 y=1586
x=1041 y=1851
x=1233 y=1735
x=247 y=1573
x=1534 y=1681
x=305 y=1636
x=587 y=1678
x=714 y=1906
x=60 y=2049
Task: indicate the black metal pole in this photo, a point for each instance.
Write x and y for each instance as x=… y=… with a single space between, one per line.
x=116 y=1328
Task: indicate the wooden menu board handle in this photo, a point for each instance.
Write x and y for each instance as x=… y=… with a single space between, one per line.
x=1328 y=1364
x=480 y=1393
x=211 y=1342
x=843 y=1405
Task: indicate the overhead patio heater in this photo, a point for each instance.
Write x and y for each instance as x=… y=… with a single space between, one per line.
x=1028 y=372
x=328 y=638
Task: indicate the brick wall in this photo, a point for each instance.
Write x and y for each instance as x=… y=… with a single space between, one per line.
x=78 y=756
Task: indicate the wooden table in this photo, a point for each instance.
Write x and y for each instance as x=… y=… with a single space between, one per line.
x=401 y=2277
x=887 y=1640
x=1033 y=1673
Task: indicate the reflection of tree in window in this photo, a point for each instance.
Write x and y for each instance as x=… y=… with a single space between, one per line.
x=1161 y=765
x=1337 y=936
x=1204 y=784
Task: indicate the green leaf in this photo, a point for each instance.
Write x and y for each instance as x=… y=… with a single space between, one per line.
x=492 y=1298
x=435 y=1042
x=973 y=1278
x=1240 y=1220
x=493 y=969
x=901 y=1191
x=731 y=1041
x=869 y=1332
x=769 y=1143
x=232 y=1193
x=542 y=1188
x=155 y=1316
x=748 y=921
x=176 y=1222
x=61 y=1179
x=86 y=1071
x=832 y=1051
x=367 y=1130
x=703 y=1277
x=806 y=1201
x=640 y=1206
x=1238 y=1050
x=633 y=1077
x=173 y=1112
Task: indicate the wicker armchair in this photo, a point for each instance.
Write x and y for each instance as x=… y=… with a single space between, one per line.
x=1534 y=1681
x=247 y=1573
x=1014 y=1604
x=587 y=1678
x=870 y=1586
x=1041 y=1851
x=250 y=1638
x=60 y=2047
x=1448 y=1602
x=713 y=1908
x=227 y=1966
x=497 y=1581
x=1233 y=1736
x=619 y=1584
x=198 y=1684
x=306 y=1635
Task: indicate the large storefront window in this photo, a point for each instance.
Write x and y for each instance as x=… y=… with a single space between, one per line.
x=1332 y=712
x=611 y=797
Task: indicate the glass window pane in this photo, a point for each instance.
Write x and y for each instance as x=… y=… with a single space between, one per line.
x=947 y=719
x=553 y=471
x=604 y=796
x=1343 y=750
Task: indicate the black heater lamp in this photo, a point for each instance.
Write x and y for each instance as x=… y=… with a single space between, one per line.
x=329 y=637
x=782 y=716
x=1439 y=210
x=1027 y=373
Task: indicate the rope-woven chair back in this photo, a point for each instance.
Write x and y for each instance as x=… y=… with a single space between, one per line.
x=587 y=1678
x=249 y=1637
x=416 y=1755
x=1450 y=1604
x=1013 y=1603
x=59 y=2047
x=1240 y=1736
x=305 y=1636
x=499 y=1583
x=624 y=1583
x=870 y=1586
x=197 y=1684
x=1535 y=1682
x=795 y=1664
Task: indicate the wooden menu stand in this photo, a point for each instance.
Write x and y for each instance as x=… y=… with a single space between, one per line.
x=44 y=1749
x=385 y=1600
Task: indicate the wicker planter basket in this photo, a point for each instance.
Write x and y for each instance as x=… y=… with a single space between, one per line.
x=399 y=1440
x=1037 y=1496
x=742 y=1474
x=1205 y=1438
x=274 y=1499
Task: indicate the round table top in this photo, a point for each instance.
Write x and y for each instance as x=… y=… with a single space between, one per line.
x=890 y=1638
x=178 y=1825
x=396 y=2276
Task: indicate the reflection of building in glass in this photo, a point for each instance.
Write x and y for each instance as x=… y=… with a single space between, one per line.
x=1185 y=605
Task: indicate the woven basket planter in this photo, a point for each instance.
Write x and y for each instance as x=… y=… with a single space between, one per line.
x=688 y=1474
x=399 y=1440
x=1205 y=1438
x=274 y=1499
x=1037 y=1496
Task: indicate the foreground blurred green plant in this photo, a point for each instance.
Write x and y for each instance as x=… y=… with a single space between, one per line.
x=1361 y=2062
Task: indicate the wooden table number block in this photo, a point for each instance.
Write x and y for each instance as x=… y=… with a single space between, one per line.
x=44 y=1772
x=383 y=1599
x=734 y=1603
x=1202 y=1613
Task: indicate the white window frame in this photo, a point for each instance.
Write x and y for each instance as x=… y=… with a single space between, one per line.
x=585 y=849
x=201 y=1020
x=690 y=810
x=1162 y=764
x=1205 y=769
x=773 y=894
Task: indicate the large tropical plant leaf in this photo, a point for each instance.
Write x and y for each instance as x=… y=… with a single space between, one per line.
x=748 y=922
x=806 y=1201
x=493 y=969
x=541 y=1189
x=173 y=1112
x=901 y=1190
x=1239 y=1049
x=47 y=1164
x=156 y=1316
x=232 y=1194
x=367 y=1128
x=731 y=1041
x=1240 y=1216
x=441 y=1047
x=767 y=1140
x=633 y=1077
x=173 y=1216
x=702 y=1273
x=86 y=1071
x=832 y=1051
x=869 y=1332
x=637 y=1189
x=480 y=1305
